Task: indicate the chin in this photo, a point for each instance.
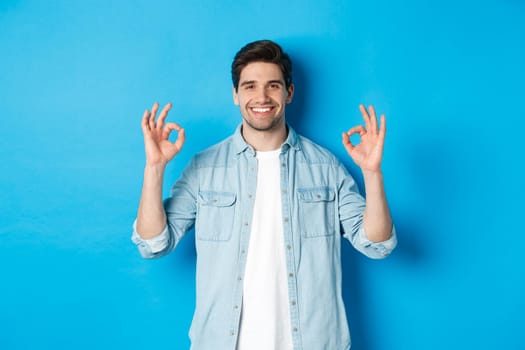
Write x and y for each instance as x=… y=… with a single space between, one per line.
x=266 y=126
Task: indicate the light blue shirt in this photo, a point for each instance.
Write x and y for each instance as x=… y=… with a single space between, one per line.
x=320 y=204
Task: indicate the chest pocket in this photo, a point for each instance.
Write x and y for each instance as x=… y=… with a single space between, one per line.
x=317 y=211
x=215 y=215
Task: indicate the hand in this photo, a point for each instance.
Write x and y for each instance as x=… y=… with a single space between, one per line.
x=369 y=152
x=159 y=149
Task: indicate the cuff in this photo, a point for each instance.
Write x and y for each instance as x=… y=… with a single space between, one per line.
x=152 y=245
x=378 y=250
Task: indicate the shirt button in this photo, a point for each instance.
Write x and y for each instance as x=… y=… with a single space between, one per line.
x=289 y=247
x=282 y=164
x=245 y=224
x=243 y=251
x=295 y=329
x=239 y=278
x=249 y=196
x=293 y=302
x=232 y=333
x=236 y=307
x=290 y=275
x=285 y=219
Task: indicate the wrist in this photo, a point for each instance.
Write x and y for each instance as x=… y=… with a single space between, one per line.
x=374 y=183
x=154 y=172
x=367 y=173
x=155 y=167
x=373 y=179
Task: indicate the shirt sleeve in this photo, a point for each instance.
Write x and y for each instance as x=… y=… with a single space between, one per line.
x=376 y=250
x=150 y=248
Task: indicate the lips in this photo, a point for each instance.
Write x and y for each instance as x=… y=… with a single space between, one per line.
x=262 y=109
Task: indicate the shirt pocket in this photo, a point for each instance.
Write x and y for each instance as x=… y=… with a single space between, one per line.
x=215 y=215
x=317 y=211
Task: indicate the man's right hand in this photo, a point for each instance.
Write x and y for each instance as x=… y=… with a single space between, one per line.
x=159 y=149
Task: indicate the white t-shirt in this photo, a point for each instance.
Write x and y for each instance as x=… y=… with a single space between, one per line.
x=265 y=317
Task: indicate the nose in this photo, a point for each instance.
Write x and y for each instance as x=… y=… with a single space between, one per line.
x=262 y=95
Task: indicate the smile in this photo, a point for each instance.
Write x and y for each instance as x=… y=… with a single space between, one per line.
x=261 y=109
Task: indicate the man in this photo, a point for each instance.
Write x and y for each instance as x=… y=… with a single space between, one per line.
x=269 y=209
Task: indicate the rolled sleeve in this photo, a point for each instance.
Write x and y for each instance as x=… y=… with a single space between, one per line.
x=376 y=250
x=151 y=248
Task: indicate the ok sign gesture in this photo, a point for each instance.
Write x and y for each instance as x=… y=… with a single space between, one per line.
x=159 y=149
x=369 y=152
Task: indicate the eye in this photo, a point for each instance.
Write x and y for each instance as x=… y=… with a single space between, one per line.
x=275 y=86
x=249 y=86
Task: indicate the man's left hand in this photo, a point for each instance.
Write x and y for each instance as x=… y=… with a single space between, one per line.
x=367 y=154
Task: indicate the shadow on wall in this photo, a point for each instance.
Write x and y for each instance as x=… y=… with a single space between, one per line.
x=355 y=295
x=295 y=111
x=437 y=179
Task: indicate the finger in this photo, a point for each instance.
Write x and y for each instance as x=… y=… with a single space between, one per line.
x=365 y=115
x=382 y=126
x=168 y=128
x=347 y=143
x=144 y=123
x=356 y=130
x=163 y=115
x=181 y=138
x=373 y=120
x=152 y=115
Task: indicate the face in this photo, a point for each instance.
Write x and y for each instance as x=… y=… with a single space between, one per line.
x=262 y=96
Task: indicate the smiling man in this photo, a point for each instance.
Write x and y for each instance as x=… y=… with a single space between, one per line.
x=269 y=208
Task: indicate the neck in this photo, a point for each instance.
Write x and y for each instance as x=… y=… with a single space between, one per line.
x=267 y=140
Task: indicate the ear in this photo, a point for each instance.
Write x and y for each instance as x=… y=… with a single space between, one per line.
x=291 y=89
x=235 y=96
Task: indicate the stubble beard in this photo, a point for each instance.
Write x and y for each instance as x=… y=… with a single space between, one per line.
x=273 y=125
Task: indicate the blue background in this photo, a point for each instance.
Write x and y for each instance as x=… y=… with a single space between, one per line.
x=76 y=76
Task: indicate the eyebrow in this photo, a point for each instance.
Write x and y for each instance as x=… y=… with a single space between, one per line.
x=249 y=82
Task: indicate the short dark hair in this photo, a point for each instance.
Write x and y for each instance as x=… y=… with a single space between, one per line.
x=262 y=51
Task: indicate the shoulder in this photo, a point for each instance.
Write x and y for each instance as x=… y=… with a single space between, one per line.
x=314 y=153
x=216 y=155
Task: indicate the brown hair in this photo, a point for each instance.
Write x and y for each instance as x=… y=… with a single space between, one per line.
x=261 y=51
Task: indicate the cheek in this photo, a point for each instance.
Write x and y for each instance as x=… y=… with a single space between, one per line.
x=281 y=97
x=242 y=99
x=242 y=103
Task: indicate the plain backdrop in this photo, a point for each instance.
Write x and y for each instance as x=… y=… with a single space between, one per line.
x=76 y=76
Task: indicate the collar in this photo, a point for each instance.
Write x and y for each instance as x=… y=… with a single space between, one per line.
x=240 y=145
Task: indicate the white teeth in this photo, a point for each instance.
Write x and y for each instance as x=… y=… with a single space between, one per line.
x=261 y=110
